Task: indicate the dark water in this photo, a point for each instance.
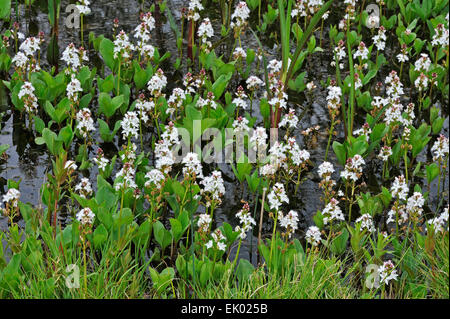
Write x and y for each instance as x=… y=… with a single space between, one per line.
x=29 y=162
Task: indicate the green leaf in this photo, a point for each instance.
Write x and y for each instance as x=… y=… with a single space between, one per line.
x=220 y=84
x=5 y=9
x=340 y=151
x=100 y=236
x=66 y=135
x=162 y=236
x=339 y=244
x=107 y=52
x=432 y=172
x=244 y=270
x=3 y=148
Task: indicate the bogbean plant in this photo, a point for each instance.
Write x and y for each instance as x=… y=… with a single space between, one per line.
x=148 y=226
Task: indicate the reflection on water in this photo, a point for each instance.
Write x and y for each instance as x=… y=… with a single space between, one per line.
x=29 y=162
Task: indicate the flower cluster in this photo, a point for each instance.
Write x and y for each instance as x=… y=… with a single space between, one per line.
x=85 y=122
x=246 y=221
x=366 y=222
x=85 y=216
x=73 y=88
x=195 y=7
x=157 y=82
x=290 y=222
x=74 y=58
x=438 y=223
x=277 y=197
x=217 y=241
x=130 y=125
x=213 y=188
x=83 y=7
x=100 y=160
x=192 y=166
x=313 y=236
x=240 y=15
x=123 y=48
x=353 y=168
x=84 y=188
x=399 y=188
x=387 y=272
x=332 y=212
x=154 y=178
x=380 y=39
x=204 y=222
x=440 y=148
x=26 y=95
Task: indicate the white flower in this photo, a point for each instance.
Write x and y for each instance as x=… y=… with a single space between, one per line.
x=154 y=177
x=353 y=168
x=20 y=60
x=362 y=52
x=254 y=82
x=421 y=82
x=205 y=30
x=85 y=122
x=239 y=53
x=157 y=82
x=274 y=66
x=125 y=177
x=387 y=272
x=204 y=220
x=289 y=221
x=73 y=88
x=101 y=162
x=195 y=7
x=192 y=165
x=84 y=188
x=402 y=57
x=240 y=15
x=380 y=39
x=325 y=169
x=30 y=46
x=217 y=241
x=366 y=222
x=440 y=149
x=423 y=63
x=313 y=235
x=12 y=197
x=70 y=165
x=385 y=152
x=277 y=197
x=441 y=36
x=332 y=212
x=213 y=187
x=334 y=97
x=74 y=57
x=122 y=46
x=85 y=216
x=399 y=188
x=245 y=220
x=259 y=139
x=26 y=95
x=147 y=50
x=83 y=7
x=130 y=125
x=240 y=125
x=414 y=206
x=438 y=223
